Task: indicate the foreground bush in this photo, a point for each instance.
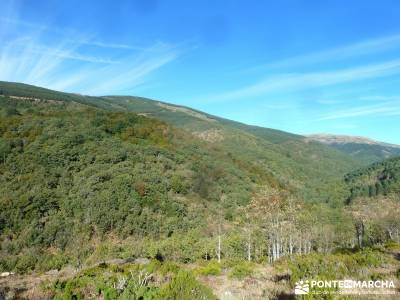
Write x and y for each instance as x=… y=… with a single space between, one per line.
x=334 y=266
x=154 y=281
x=184 y=286
x=211 y=268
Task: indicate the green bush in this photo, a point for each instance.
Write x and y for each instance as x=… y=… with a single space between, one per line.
x=377 y=276
x=391 y=245
x=26 y=263
x=169 y=267
x=8 y=263
x=111 y=294
x=184 y=286
x=142 y=293
x=211 y=268
x=333 y=266
x=66 y=290
x=368 y=258
x=241 y=270
x=54 y=261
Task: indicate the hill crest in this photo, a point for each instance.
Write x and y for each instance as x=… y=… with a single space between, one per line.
x=327 y=138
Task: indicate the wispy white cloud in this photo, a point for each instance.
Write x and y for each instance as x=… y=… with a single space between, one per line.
x=278 y=106
x=117 y=78
x=79 y=38
x=328 y=101
x=358 y=49
x=382 y=109
x=100 y=44
x=13 y=20
x=380 y=98
x=301 y=81
x=59 y=61
x=66 y=51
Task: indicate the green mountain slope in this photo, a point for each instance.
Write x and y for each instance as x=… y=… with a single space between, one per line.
x=297 y=162
x=293 y=160
x=72 y=175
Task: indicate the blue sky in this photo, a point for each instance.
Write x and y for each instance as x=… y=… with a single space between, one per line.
x=299 y=66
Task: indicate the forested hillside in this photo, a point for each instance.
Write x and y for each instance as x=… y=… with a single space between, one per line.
x=70 y=172
x=374 y=201
x=308 y=167
x=89 y=179
x=382 y=178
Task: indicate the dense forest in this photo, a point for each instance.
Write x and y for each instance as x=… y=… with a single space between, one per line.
x=382 y=178
x=84 y=180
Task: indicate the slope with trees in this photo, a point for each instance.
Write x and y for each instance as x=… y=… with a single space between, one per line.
x=89 y=179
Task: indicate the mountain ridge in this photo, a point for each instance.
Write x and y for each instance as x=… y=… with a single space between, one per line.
x=330 y=138
x=326 y=138
x=365 y=149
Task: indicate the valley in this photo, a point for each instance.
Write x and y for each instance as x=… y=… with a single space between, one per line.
x=120 y=197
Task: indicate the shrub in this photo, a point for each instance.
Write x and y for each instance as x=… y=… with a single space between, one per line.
x=8 y=263
x=391 y=245
x=377 y=276
x=242 y=269
x=184 y=286
x=334 y=266
x=111 y=294
x=55 y=261
x=169 y=267
x=26 y=263
x=368 y=258
x=145 y=293
x=211 y=268
x=179 y=185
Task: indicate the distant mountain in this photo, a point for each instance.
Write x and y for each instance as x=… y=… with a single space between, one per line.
x=364 y=149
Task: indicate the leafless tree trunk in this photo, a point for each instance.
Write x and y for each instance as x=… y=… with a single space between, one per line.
x=219 y=244
x=299 y=250
x=269 y=253
x=360 y=232
x=249 y=246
